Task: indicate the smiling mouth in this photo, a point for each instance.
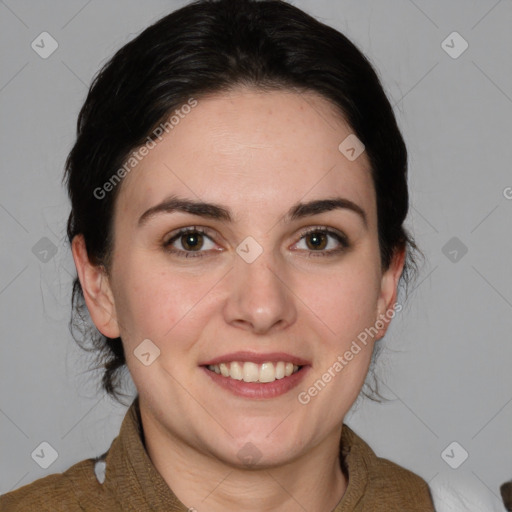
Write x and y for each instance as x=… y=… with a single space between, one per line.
x=252 y=372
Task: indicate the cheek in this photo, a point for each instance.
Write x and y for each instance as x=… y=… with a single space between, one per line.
x=343 y=306
x=344 y=301
x=160 y=304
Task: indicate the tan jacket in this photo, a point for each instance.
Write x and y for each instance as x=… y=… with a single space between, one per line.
x=132 y=483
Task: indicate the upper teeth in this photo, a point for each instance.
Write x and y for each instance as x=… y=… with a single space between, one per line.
x=252 y=372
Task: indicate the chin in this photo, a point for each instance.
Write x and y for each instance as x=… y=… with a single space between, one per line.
x=260 y=451
x=255 y=456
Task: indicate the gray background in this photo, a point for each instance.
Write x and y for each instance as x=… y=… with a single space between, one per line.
x=448 y=356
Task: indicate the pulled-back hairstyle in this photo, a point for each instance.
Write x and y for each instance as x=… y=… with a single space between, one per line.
x=212 y=46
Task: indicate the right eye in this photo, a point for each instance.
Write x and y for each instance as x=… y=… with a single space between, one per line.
x=192 y=240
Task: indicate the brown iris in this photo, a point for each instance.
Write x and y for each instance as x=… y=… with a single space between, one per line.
x=316 y=241
x=192 y=241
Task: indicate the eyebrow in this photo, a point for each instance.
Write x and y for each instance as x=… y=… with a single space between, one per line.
x=216 y=212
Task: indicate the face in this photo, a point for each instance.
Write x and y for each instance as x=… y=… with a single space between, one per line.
x=267 y=271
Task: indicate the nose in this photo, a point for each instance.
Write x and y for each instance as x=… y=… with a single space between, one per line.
x=260 y=299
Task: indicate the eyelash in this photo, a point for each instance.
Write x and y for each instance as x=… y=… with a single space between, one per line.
x=340 y=238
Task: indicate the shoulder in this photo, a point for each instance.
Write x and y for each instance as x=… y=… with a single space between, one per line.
x=383 y=484
x=397 y=482
x=58 y=492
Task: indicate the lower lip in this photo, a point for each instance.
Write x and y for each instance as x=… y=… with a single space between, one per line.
x=258 y=390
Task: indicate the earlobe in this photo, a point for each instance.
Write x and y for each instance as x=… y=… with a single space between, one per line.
x=96 y=289
x=389 y=290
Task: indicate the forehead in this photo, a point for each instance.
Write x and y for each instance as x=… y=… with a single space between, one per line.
x=251 y=149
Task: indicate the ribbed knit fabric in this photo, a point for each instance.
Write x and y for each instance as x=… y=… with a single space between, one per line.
x=132 y=483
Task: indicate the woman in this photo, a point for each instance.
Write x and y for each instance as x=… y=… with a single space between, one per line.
x=238 y=189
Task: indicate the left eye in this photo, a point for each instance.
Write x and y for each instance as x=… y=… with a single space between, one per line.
x=322 y=240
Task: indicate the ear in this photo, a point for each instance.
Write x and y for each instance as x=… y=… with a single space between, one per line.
x=97 y=291
x=389 y=291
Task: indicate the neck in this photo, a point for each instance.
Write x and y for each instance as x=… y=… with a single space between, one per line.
x=313 y=481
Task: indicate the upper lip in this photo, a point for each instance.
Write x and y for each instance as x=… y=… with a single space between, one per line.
x=253 y=357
